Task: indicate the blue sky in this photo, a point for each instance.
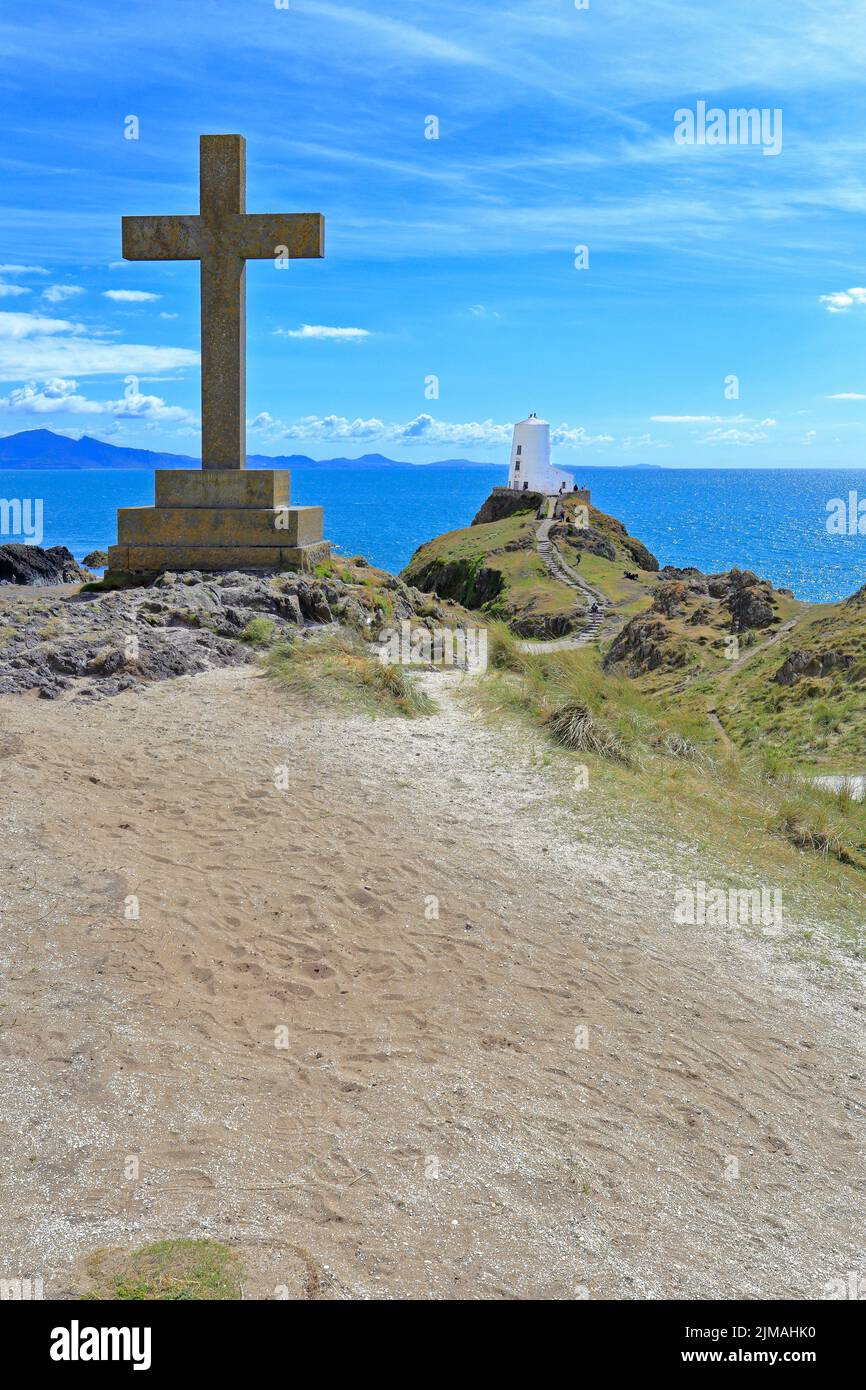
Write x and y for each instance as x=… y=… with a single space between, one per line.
x=454 y=257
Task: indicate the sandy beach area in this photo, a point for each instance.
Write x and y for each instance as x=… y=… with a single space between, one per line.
x=352 y=996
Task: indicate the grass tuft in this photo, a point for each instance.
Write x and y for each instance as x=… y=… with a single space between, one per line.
x=169 y=1270
x=575 y=727
x=258 y=632
x=339 y=668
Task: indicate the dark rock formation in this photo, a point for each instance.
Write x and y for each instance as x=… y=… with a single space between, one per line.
x=505 y=502
x=644 y=645
x=97 y=560
x=816 y=664
x=468 y=581
x=29 y=564
x=103 y=642
x=748 y=599
x=586 y=538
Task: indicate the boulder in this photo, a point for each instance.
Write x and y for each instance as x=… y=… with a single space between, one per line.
x=815 y=664
x=30 y=564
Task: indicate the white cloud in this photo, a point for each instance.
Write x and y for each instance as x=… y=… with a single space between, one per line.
x=22 y=270
x=696 y=419
x=575 y=438
x=130 y=296
x=35 y=347
x=644 y=441
x=480 y=311
x=32 y=325
x=55 y=294
x=318 y=330
x=328 y=428
x=7 y=291
x=51 y=396
x=164 y=315
x=847 y=396
x=735 y=436
x=840 y=301
x=61 y=395
x=423 y=429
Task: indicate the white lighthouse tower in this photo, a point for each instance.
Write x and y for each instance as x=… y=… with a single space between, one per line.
x=531 y=469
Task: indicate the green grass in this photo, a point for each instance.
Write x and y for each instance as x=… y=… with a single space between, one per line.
x=816 y=723
x=169 y=1270
x=670 y=787
x=339 y=669
x=258 y=632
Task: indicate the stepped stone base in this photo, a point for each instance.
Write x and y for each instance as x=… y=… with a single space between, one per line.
x=218 y=520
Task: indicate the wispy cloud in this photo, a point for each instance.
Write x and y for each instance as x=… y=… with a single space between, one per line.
x=320 y=331
x=34 y=347
x=56 y=294
x=130 y=296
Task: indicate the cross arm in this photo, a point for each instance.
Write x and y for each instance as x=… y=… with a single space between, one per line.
x=262 y=236
x=161 y=238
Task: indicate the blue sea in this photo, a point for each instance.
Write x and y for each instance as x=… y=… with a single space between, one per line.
x=770 y=521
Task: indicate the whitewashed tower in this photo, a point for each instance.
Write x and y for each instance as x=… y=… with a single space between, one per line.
x=531 y=469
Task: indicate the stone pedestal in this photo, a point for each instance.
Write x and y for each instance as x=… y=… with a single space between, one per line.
x=218 y=519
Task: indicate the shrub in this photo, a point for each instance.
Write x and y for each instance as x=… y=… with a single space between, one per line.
x=258 y=632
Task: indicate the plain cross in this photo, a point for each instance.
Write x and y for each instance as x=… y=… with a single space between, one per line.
x=224 y=236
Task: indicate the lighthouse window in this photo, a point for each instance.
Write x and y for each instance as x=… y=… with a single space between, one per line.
x=519 y=450
x=517 y=466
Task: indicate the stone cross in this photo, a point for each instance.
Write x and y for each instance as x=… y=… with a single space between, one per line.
x=223 y=237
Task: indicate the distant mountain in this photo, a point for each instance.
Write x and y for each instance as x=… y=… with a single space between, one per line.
x=44 y=449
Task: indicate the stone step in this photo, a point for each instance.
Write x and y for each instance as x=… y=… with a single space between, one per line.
x=219 y=526
x=221 y=487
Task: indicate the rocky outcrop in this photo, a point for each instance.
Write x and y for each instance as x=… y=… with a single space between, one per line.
x=29 y=564
x=644 y=645
x=97 y=560
x=616 y=531
x=104 y=642
x=815 y=664
x=544 y=626
x=587 y=538
x=748 y=599
x=468 y=581
x=669 y=598
x=504 y=502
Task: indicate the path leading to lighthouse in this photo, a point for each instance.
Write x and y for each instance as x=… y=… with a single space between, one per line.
x=565 y=573
x=419 y=1026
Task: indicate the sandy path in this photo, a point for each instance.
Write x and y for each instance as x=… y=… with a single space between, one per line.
x=416 y=1044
